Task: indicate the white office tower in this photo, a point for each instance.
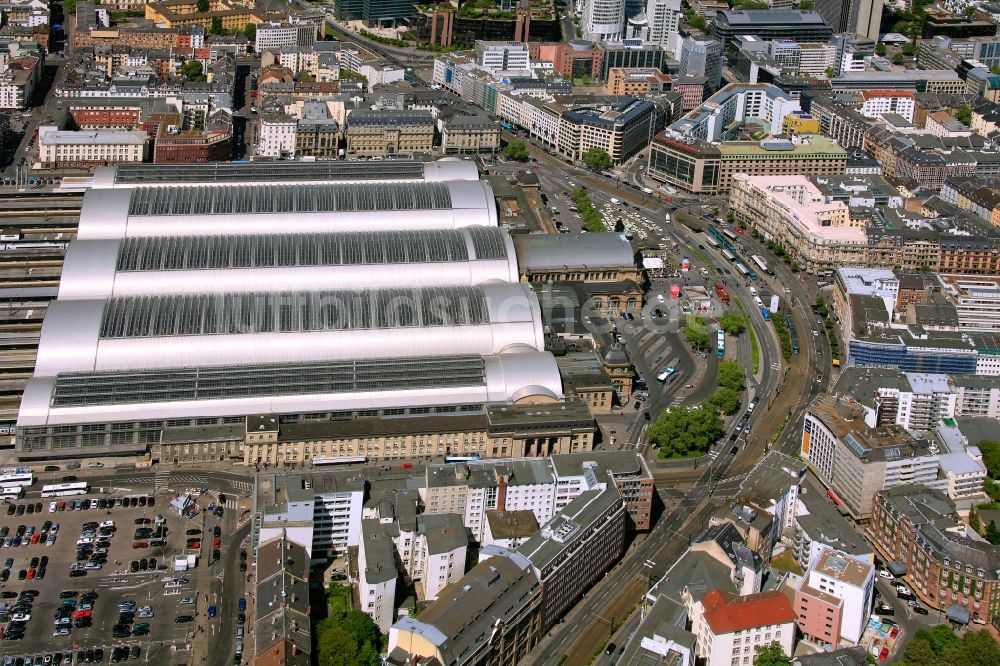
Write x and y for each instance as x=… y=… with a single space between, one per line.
x=603 y=20
x=702 y=57
x=664 y=18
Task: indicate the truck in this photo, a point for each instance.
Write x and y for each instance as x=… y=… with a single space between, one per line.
x=666 y=374
x=723 y=294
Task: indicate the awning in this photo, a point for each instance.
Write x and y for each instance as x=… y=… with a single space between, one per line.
x=652 y=263
x=959 y=614
x=897 y=568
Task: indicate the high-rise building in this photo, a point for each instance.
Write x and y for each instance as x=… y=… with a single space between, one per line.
x=663 y=18
x=603 y=20
x=858 y=16
x=702 y=57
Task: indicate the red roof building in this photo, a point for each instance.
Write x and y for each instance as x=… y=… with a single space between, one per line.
x=731 y=627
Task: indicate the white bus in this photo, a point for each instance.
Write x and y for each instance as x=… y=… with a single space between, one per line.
x=11 y=492
x=729 y=234
x=65 y=489
x=729 y=255
x=711 y=241
x=19 y=478
x=760 y=264
x=456 y=460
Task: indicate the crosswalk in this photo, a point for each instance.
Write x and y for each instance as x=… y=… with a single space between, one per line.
x=165 y=480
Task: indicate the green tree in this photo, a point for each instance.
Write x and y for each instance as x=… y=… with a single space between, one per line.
x=806 y=4
x=880 y=49
x=304 y=77
x=336 y=646
x=995 y=69
x=976 y=648
x=192 y=71
x=898 y=58
x=992 y=533
x=202 y=5
x=731 y=375
x=360 y=626
x=726 y=400
x=940 y=637
x=216 y=26
x=730 y=217
x=830 y=72
x=991 y=456
x=771 y=654
x=597 y=159
x=682 y=431
x=516 y=150
x=250 y=32
x=732 y=323
x=964 y=114
x=697 y=22
x=696 y=333
x=69 y=7
x=969 y=11
x=974 y=520
x=918 y=652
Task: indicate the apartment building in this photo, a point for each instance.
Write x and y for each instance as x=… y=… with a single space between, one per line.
x=834 y=599
x=280 y=614
x=919 y=528
x=276 y=136
x=760 y=104
x=854 y=460
x=509 y=529
x=490 y=617
x=637 y=81
x=377 y=573
x=321 y=511
x=731 y=627
x=976 y=299
x=18 y=81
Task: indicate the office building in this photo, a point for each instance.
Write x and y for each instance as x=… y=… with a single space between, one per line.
x=603 y=20
x=388 y=132
x=794 y=25
x=469 y=134
x=385 y=13
x=630 y=55
x=736 y=105
x=509 y=529
x=575 y=547
x=919 y=531
x=861 y=17
x=834 y=599
x=702 y=57
x=731 y=627
x=88 y=149
x=854 y=460
x=496 y=57
x=818 y=526
x=976 y=299
x=490 y=617
x=622 y=129
x=278 y=35
x=698 y=167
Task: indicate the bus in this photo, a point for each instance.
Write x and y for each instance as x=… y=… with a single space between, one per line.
x=666 y=375
x=729 y=233
x=744 y=271
x=711 y=241
x=765 y=314
x=720 y=345
x=760 y=264
x=19 y=477
x=11 y=492
x=457 y=460
x=729 y=255
x=342 y=460
x=65 y=489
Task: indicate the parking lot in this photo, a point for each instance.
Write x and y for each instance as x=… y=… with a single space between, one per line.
x=102 y=577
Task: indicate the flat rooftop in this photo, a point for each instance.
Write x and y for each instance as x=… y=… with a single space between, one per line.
x=845 y=418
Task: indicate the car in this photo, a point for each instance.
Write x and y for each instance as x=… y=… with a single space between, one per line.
x=134 y=566
x=34 y=562
x=216 y=542
x=242 y=603
x=30 y=508
x=140 y=544
x=77 y=573
x=211 y=610
x=190 y=532
x=22 y=574
x=95 y=465
x=7 y=594
x=20 y=510
x=194 y=545
x=884 y=654
x=68 y=594
x=21 y=617
x=8 y=563
x=893 y=632
x=134 y=652
x=157 y=543
x=610 y=648
x=147 y=521
x=183 y=619
x=920 y=610
x=38 y=507
x=886 y=574
x=187 y=600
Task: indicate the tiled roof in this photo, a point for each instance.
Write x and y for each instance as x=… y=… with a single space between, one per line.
x=726 y=613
